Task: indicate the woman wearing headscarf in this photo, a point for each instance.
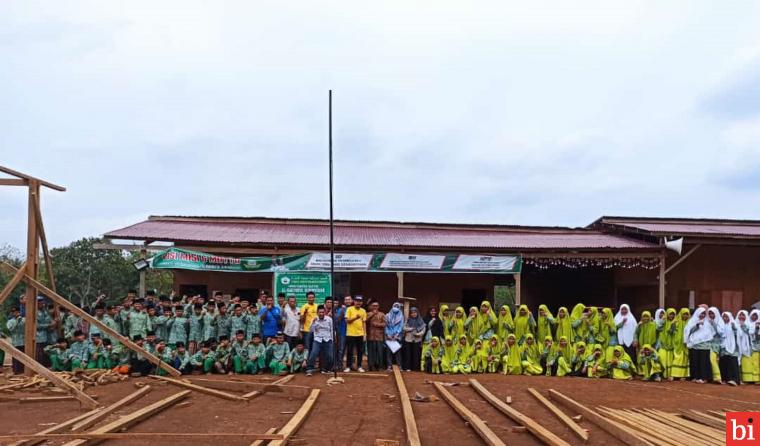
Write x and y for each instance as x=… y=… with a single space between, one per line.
x=578 y=322
x=729 y=352
x=531 y=356
x=593 y=321
x=626 y=329
x=487 y=322
x=479 y=356
x=504 y=323
x=524 y=324
x=549 y=356
x=754 y=331
x=646 y=331
x=446 y=318
x=433 y=325
x=471 y=327
x=456 y=326
x=494 y=355
x=679 y=367
x=578 y=363
x=698 y=334
x=463 y=357
x=664 y=347
x=596 y=363
x=545 y=322
x=564 y=357
x=744 y=347
x=607 y=334
x=564 y=326
x=713 y=315
x=432 y=358
x=619 y=364
x=414 y=330
x=449 y=355
x=394 y=326
x=511 y=358
x=649 y=364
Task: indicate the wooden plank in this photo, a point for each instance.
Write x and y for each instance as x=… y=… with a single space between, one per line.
x=707 y=433
x=45 y=252
x=542 y=433
x=32 y=267
x=261 y=442
x=643 y=429
x=615 y=429
x=675 y=433
x=701 y=419
x=13 y=283
x=56 y=428
x=46 y=399
x=13 y=182
x=412 y=435
x=238 y=386
x=291 y=427
x=485 y=432
x=201 y=389
x=94 y=419
x=30 y=178
x=142 y=436
x=86 y=316
x=579 y=431
x=38 y=368
x=132 y=418
x=251 y=395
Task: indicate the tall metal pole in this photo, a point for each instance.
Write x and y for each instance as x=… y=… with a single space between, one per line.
x=332 y=237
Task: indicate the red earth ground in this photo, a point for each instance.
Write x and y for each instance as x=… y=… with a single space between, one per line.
x=357 y=413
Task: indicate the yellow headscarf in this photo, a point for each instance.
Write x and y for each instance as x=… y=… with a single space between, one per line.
x=463 y=352
x=543 y=324
x=513 y=360
x=522 y=323
x=486 y=322
x=504 y=322
x=564 y=326
x=531 y=351
x=566 y=351
x=457 y=323
x=445 y=320
x=647 y=330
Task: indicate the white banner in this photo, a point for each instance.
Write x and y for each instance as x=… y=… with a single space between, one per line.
x=469 y=262
x=412 y=261
x=321 y=261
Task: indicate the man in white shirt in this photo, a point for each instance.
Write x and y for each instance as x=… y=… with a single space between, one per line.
x=321 y=331
x=292 y=318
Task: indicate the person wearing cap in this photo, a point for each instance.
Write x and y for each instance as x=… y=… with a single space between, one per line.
x=209 y=323
x=161 y=323
x=138 y=320
x=195 y=334
x=296 y=361
x=239 y=349
x=204 y=359
x=181 y=359
x=223 y=361
x=165 y=354
x=256 y=356
x=138 y=365
x=356 y=332
x=57 y=354
x=277 y=352
x=70 y=324
x=79 y=351
x=239 y=319
x=223 y=321
x=41 y=338
x=253 y=323
x=16 y=326
x=112 y=313
x=178 y=326
x=100 y=315
x=96 y=353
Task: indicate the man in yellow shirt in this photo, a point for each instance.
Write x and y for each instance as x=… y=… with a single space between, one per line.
x=356 y=332
x=308 y=313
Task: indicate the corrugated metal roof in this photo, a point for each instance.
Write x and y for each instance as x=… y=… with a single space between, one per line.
x=687 y=226
x=278 y=232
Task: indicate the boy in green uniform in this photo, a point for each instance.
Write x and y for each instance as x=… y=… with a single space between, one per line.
x=178 y=326
x=182 y=359
x=277 y=352
x=70 y=323
x=253 y=324
x=195 y=335
x=139 y=321
x=223 y=322
x=165 y=354
x=203 y=360
x=297 y=357
x=209 y=323
x=257 y=355
x=57 y=354
x=110 y=319
x=16 y=326
x=78 y=352
x=223 y=356
x=96 y=353
x=161 y=325
x=138 y=365
x=110 y=360
x=150 y=342
x=239 y=352
x=239 y=320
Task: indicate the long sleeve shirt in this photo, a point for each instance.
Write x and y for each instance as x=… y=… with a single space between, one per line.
x=196 y=327
x=209 y=326
x=178 y=329
x=44 y=322
x=199 y=357
x=278 y=352
x=79 y=351
x=322 y=329
x=16 y=328
x=223 y=326
x=256 y=351
x=139 y=324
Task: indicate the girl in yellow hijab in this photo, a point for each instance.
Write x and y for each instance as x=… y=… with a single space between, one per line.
x=549 y=356
x=596 y=363
x=449 y=355
x=545 y=322
x=579 y=322
x=487 y=321
x=446 y=317
x=578 y=363
x=649 y=365
x=646 y=331
x=494 y=354
x=564 y=357
x=679 y=366
x=479 y=357
x=564 y=326
x=433 y=356
x=463 y=357
x=664 y=345
x=531 y=356
x=457 y=323
x=607 y=334
x=524 y=324
x=504 y=323
x=471 y=325
x=619 y=364
x=511 y=357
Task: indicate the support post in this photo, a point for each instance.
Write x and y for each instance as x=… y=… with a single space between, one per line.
x=32 y=258
x=143 y=254
x=518 y=290
x=661 y=299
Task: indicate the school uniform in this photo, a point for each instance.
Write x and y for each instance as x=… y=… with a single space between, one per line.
x=16 y=327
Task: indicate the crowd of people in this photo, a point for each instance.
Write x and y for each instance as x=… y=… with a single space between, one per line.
x=218 y=335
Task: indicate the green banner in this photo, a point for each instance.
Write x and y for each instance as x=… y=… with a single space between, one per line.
x=299 y=283
x=175 y=258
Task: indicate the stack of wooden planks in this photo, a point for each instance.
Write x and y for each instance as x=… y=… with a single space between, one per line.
x=80 y=379
x=660 y=428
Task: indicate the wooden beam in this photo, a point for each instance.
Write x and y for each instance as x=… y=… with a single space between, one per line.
x=518 y=288
x=13 y=283
x=32 y=265
x=57 y=428
x=95 y=418
x=43 y=242
x=700 y=418
x=542 y=433
x=246 y=386
x=298 y=419
x=201 y=389
x=642 y=428
x=581 y=432
x=488 y=436
x=682 y=258
x=661 y=283
x=139 y=436
x=30 y=178
x=251 y=395
x=261 y=442
x=13 y=182
x=59 y=382
x=615 y=429
x=132 y=418
x=412 y=435
x=103 y=327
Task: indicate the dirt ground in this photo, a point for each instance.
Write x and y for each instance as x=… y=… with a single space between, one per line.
x=356 y=413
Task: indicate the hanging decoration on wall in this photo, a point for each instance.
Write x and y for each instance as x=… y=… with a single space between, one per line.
x=586 y=262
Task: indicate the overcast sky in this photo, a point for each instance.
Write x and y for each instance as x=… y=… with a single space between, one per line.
x=549 y=113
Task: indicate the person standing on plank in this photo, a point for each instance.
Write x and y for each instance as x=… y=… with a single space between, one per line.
x=321 y=333
x=16 y=326
x=356 y=332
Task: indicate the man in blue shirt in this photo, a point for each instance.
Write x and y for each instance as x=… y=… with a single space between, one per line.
x=270 y=319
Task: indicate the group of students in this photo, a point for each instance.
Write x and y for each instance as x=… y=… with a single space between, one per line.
x=706 y=346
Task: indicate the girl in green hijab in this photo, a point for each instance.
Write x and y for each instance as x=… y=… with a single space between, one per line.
x=564 y=357
x=494 y=354
x=545 y=322
x=463 y=357
x=549 y=356
x=479 y=357
x=446 y=317
x=620 y=364
x=579 y=322
x=679 y=366
x=432 y=357
x=666 y=332
x=449 y=355
x=649 y=365
x=456 y=326
x=596 y=363
x=511 y=358
x=564 y=326
x=471 y=326
x=646 y=331
x=487 y=321
x=531 y=356
x=578 y=363
x=504 y=324
x=524 y=324
x=607 y=335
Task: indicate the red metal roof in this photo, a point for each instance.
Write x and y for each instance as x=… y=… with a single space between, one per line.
x=685 y=226
x=299 y=232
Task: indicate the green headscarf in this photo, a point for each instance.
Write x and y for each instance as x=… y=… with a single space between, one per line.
x=513 y=359
x=463 y=352
x=457 y=323
x=487 y=322
x=445 y=320
x=531 y=351
x=647 y=330
x=504 y=322
x=564 y=327
x=522 y=323
x=543 y=324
